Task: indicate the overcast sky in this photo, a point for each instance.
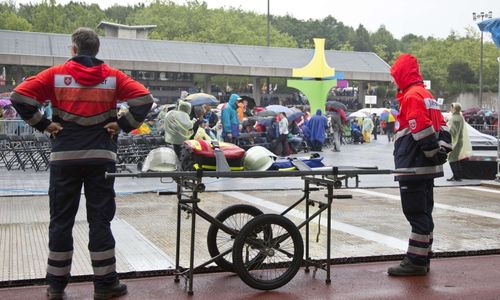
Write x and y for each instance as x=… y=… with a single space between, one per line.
x=425 y=17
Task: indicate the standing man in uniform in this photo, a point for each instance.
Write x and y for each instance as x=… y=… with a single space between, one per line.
x=422 y=143
x=84 y=92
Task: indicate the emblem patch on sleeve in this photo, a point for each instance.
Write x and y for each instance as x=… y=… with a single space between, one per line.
x=413 y=124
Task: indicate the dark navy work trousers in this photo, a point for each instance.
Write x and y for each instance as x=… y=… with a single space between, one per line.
x=64 y=192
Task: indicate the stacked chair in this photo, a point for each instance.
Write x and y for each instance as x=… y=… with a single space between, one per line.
x=32 y=150
x=21 y=152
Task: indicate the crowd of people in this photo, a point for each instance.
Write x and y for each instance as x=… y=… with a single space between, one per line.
x=239 y=123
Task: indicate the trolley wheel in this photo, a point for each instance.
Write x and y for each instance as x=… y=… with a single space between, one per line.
x=268 y=252
x=218 y=241
x=337 y=184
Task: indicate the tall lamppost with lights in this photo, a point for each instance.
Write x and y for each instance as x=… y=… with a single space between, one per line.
x=268 y=42
x=480 y=17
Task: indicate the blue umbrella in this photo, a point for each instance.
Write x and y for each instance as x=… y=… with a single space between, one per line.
x=201 y=98
x=266 y=121
x=294 y=116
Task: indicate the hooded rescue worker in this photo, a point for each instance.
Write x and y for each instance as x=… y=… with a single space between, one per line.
x=84 y=92
x=420 y=149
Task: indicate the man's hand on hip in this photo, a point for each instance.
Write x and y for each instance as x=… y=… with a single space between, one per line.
x=112 y=128
x=54 y=128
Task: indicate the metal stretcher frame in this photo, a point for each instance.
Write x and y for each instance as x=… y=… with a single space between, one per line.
x=192 y=181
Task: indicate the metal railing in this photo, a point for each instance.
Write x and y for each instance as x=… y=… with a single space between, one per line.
x=18 y=127
x=485 y=128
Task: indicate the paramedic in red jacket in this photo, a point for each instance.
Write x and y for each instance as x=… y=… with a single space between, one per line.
x=422 y=141
x=84 y=92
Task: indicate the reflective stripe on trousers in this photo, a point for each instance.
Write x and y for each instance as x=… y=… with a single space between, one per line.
x=417 y=201
x=66 y=183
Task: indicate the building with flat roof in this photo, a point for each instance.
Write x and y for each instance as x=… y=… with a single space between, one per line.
x=168 y=67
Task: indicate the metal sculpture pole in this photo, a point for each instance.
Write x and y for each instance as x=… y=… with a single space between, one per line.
x=317 y=78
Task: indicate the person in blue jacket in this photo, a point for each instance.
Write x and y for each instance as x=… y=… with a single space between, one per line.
x=229 y=119
x=317 y=126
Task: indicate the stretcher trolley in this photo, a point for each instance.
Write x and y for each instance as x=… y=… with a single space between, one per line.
x=265 y=250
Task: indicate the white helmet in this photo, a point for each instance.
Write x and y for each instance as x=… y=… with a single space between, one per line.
x=258 y=158
x=161 y=159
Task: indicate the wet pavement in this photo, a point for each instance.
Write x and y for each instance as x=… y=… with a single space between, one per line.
x=377 y=153
x=371 y=224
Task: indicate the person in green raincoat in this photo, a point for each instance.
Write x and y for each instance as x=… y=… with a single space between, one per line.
x=462 y=148
x=367 y=129
x=178 y=125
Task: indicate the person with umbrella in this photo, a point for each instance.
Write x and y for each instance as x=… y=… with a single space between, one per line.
x=390 y=122
x=376 y=124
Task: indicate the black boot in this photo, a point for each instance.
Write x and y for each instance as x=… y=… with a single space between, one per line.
x=407 y=268
x=116 y=290
x=55 y=294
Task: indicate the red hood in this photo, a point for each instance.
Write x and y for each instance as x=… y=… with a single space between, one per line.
x=87 y=75
x=405 y=71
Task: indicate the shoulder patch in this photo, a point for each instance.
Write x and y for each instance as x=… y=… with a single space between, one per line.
x=413 y=124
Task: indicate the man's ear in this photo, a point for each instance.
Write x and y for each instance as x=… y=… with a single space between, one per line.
x=74 y=50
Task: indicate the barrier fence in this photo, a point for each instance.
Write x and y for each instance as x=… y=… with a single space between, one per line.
x=17 y=127
x=32 y=151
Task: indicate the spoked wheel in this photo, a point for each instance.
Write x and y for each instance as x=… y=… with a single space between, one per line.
x=268 y=252
x=218 y=241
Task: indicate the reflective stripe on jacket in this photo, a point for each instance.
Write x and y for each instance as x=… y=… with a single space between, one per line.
x=84 y=93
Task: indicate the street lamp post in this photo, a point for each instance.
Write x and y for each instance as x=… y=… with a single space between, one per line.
x=268 y=24
x=480 y=17
x=268 y=80
x=498 y=125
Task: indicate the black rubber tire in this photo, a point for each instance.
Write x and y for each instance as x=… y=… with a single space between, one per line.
x=280 y=257
x=227 y=216
x=337 y=184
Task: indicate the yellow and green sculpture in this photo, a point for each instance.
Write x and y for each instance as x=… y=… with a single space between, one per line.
x=317 y=78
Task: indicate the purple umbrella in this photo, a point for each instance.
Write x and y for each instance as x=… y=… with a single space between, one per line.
x=5 y=102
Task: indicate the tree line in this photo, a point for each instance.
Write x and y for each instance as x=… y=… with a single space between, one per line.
x=451 y=63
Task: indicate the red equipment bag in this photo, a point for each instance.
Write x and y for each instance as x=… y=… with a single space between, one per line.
x=198 y=154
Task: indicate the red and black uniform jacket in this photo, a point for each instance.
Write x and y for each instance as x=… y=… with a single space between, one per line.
x=422 y=139
x=84 y=93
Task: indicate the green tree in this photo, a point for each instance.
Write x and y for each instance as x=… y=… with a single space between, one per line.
x=120 y=14
x=460 y=72
x=384 y=44
x=195 y=22
x=360 y=40
x=335 y=33
x=11 y=21
x=346 y=47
